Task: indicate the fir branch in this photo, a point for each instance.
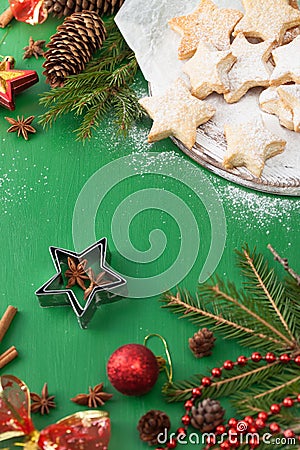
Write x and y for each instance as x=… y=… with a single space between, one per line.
x=256 y=270
x=240 y=378
x=285 y=263
x=102 y=88
x=261 y=396
x=197 y=312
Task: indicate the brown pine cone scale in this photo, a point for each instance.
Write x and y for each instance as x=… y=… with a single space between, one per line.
x=61 y=8
x=72 y=46
x=207 y=415
x=152 y=424
x=202 y=343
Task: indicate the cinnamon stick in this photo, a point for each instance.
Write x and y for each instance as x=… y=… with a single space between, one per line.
x=6 y=17
x=8 y=356
x=6 y=320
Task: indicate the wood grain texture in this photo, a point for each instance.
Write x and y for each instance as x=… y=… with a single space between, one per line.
x=40 y=181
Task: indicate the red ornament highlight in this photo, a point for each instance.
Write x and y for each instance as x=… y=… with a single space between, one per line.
x=132 y=369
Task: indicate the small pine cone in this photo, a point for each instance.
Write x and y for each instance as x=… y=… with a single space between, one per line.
x=152 y=424
x=72 y=46
x=202 y=343
x=207 y=415
x=61 y=8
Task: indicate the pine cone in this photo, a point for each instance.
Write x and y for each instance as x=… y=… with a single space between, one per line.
x=152 y=424
x=72 y=46
x=61 y=8
x=207 y=415
x=202 y=343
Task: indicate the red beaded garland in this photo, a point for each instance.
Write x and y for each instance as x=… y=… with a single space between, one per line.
x=232 y=422
x=186 y=420
x=206 y=381
x=249 y=420
x=275 y=408
x=289 y=434
x=196 y=392
x=188 y=404
x=181 y=432
x=216 y=372
x=285 y=358
x=242 y=360
x=228 y=365
x=256 y=357
x=274 y=427
x=260 y=423
x=225 y=445
x=297 y=360
x=253 y=424
x=172 y=443
x=263 y=415
x=288 y=402
x=270 y=357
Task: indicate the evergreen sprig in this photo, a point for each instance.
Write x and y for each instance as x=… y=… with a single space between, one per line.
x=103 y=87
x=238 y=379
x=259 y=316
x=263 y=315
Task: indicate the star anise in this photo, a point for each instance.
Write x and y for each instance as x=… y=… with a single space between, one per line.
x=21 y=126
x=42 y=403
x=77 y=273
x=95 y=397
x=35 y=48
x=95 y=281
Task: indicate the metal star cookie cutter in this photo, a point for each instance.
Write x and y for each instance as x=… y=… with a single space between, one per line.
x=104 y=284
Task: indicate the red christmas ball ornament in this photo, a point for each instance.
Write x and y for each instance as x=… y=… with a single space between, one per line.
x=260 y=424
x=297 y=360
x=132 y=369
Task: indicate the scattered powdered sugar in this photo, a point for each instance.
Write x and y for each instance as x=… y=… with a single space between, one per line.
x=258 y=211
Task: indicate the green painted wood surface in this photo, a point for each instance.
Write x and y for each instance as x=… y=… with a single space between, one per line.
x=40 y=182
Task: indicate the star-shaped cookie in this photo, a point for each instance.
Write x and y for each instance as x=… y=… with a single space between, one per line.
x=290 y=96
x=250 y=144
x=287 y=60
x=270 y=102
x=208 y=23
x=176 y=113
x=250 y=69
x=208 y=70
x=267 y=19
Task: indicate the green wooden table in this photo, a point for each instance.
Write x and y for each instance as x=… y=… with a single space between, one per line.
x=41 y=181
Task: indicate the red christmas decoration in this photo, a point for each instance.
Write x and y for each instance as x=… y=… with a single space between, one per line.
x=80 y=431
x=132 y=369
x=86 y=430
x=13 y=81
x=29 y=11
x=253 y=425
